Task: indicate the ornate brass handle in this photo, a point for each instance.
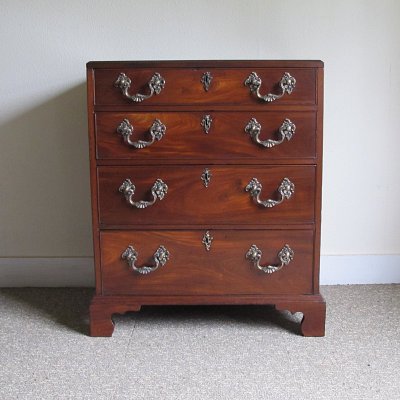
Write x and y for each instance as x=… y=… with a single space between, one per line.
x=285 y=256
x=158 y=191
x=160 y=257
x=286 y=130
x=157 y=132
x=155 y=84
x=287 y=84
x=285 y=189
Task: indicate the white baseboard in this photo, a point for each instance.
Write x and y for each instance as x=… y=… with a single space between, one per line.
x=360 y=269
x=47 y=272
x=70 y=272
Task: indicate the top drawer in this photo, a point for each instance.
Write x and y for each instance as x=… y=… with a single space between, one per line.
x=200 y=86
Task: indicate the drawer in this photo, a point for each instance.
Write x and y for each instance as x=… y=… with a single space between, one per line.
x=226 y=268
x=205 y=135
x=184 y=86
x=189 y=201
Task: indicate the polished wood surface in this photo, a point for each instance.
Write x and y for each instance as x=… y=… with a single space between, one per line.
x=183 y=85
x=185 y=138
x=188 y=201
x=192 y=275
x=222 y=270
x=93 y=178
x=206 y=64
x=311 y=306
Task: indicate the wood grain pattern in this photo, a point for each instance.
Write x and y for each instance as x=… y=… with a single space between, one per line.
x=186 y=139
x=138 y=107
x=184 y=86
x=93 y=177
x=193 y=275
x=206 y=64
x=312 y=306
x=189 y=202
x=318 y=182
x=191 y=270
x=314 y=313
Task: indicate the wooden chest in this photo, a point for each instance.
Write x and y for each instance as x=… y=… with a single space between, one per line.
x=206 y=185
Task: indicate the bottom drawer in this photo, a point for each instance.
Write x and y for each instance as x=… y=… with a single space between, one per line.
x=185 y=266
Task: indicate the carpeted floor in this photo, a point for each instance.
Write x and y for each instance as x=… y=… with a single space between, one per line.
x=162 y=353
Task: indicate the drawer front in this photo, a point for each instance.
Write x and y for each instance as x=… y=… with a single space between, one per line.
x=189 y=201
x=184 y=86
x=206 y=135
x=192 y=270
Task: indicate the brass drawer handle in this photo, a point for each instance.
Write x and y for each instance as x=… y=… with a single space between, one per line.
x=160 y=258
x=155 y=84
x=286 y=130
x=287 y=84
x=158 y=191
x=285 y=256
x=157 y=132
x=285 y=189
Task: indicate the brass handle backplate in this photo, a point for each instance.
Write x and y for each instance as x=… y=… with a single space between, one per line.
x=287 y=84
x=158 y=191
x=285 y=255
x=286 y=131
x=160 y=258
x=285 y=189
x=157 y=132
x=155 y=85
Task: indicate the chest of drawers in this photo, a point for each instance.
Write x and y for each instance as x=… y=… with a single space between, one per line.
x=206 y=185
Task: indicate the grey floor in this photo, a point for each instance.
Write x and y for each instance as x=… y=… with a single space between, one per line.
x=242 y=352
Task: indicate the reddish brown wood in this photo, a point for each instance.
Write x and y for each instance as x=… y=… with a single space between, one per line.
x=189 y=202
x=101 y=323
x=183 y=227
x=313 y=322
x=207 y=64
x=318 y=178
x=93 y=178
x=311 y=306
x=139 y=107
x=183 y=85
x=192 y=275
x=207 y=162
x=186 y=139
x=223 y=270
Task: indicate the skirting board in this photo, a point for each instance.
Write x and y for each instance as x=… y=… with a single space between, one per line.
x=70 y=272
x=47 y=272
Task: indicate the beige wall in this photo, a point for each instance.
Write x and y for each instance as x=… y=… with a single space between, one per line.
x=44 y=174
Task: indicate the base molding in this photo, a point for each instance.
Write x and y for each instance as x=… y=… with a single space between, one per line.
x=360 y=269
x=47 y=272
x=313 y=308
x=79 y=271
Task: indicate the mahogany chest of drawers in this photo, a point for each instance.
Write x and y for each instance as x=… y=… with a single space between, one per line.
x=206 y=185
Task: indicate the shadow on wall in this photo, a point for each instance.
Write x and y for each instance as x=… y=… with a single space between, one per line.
x=44 y=180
